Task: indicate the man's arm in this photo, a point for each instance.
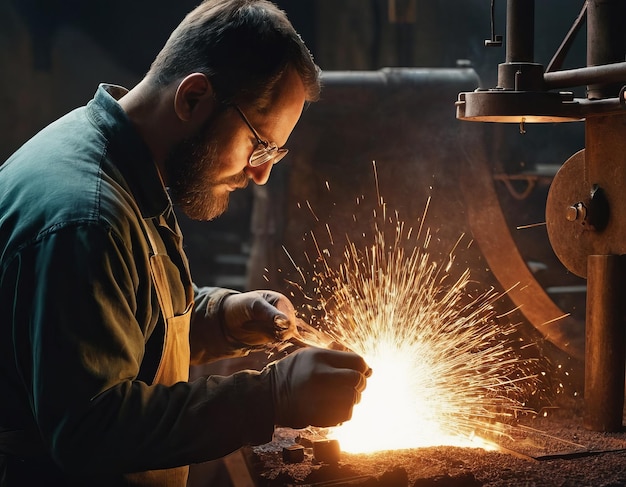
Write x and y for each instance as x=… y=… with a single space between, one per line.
x=79 y=335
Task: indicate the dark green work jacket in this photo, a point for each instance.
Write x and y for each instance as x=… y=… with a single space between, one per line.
x=81 y=329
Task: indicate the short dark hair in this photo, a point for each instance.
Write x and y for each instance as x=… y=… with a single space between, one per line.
x=244 y=47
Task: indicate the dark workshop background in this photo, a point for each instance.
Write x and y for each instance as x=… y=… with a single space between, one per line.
x=53 y=54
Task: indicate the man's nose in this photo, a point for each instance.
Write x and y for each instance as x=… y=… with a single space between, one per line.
x=259 y=174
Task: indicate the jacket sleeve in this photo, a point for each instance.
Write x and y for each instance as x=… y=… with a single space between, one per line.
x=208 y=340
x=79 y=331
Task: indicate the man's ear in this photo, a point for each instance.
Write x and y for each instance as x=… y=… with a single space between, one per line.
x=194 y=98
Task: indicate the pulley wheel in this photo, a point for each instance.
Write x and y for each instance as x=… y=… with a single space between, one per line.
x=566 y=207
x=585 y=210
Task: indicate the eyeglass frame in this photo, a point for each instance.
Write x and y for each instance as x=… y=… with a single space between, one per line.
x=267 y=150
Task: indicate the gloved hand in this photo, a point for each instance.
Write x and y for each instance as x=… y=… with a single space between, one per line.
x=259 y=317
x=316 y=387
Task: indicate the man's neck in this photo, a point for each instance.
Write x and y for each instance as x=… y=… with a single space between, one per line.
x=150 y=109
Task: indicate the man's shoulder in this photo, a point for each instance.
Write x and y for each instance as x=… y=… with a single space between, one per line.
x=59 y=166
x=64 y=176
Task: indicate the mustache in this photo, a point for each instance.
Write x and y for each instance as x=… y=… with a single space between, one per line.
x=238 y=180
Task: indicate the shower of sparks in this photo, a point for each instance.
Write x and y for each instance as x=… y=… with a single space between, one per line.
x=444 y=369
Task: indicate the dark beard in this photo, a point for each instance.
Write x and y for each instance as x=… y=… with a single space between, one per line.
x=192 y=169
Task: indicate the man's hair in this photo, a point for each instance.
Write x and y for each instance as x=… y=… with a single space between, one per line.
x=244 y=47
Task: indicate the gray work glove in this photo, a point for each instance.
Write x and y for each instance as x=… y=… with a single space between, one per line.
x=259 y=317
x=316 y=387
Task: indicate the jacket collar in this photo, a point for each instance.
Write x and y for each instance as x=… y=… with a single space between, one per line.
x=129 y=152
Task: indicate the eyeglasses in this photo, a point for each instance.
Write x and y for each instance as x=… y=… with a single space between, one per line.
x=265 y=151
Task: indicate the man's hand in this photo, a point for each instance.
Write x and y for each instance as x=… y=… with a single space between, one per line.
x=317 y=387
x=259 y=317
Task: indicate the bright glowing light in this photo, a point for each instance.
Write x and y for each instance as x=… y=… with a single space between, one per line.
x=390 y=417
x=444 y=372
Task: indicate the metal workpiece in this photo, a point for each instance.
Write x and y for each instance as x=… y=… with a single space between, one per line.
x=293 y=454
x=326 y=451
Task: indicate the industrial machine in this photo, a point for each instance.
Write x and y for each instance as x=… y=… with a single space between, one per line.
x=585 y=207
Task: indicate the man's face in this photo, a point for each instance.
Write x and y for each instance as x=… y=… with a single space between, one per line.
x=196 y=179
x=203 y=169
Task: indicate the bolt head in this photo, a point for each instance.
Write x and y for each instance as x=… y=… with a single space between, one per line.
x=571 y=213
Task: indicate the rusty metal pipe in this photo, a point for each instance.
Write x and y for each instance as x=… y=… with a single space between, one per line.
x=520 y=72
x=520 y=31
x=610 y=73
x=605 y=343
x=605 y=41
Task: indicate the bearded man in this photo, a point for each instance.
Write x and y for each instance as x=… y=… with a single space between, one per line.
x=99 y=317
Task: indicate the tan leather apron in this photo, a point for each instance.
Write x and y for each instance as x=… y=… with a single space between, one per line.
x=174 y=364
